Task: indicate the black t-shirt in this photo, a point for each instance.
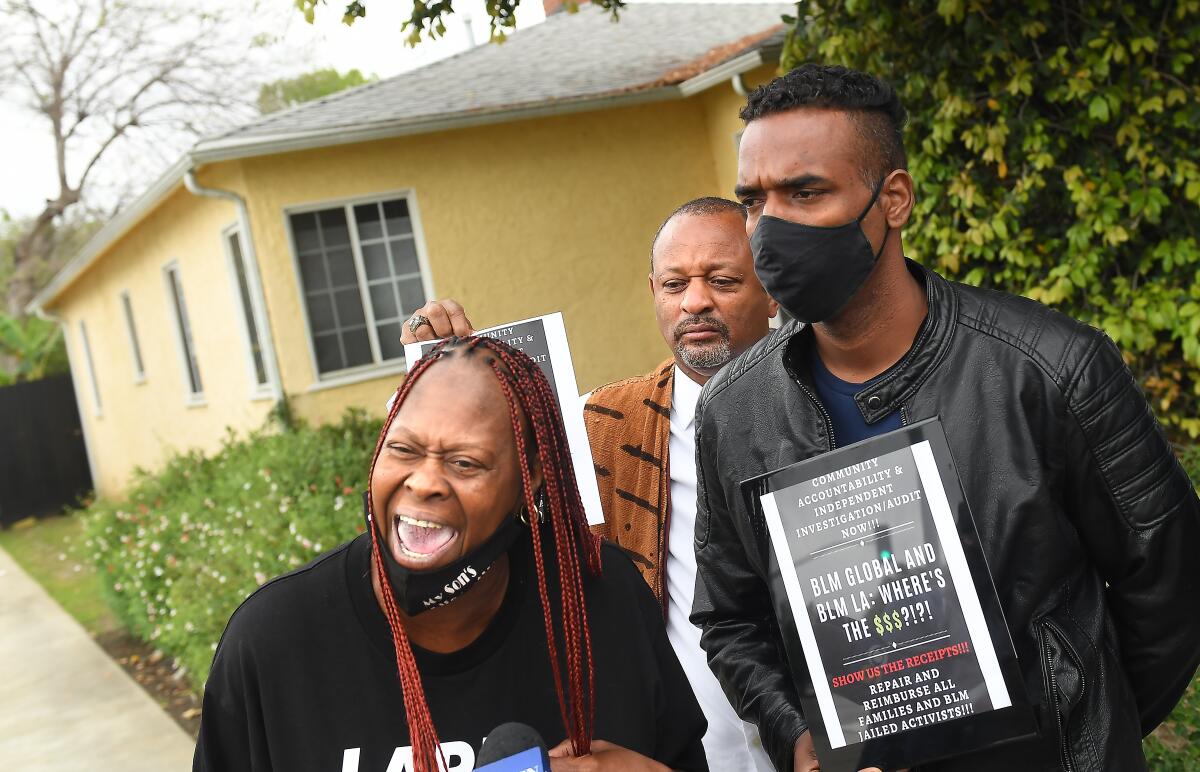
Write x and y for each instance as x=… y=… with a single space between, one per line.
x=305 y=675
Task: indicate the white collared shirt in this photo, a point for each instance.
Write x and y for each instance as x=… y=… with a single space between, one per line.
x=730 y=744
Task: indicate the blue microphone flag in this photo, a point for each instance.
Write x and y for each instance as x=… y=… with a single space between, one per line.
x=529 y=760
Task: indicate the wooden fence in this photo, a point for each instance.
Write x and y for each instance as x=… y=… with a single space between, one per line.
x=43 y=461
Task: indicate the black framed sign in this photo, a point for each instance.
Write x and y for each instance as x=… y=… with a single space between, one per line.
x=896 y=639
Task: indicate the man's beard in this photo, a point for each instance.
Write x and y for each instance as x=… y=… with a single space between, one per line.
x=703 y=356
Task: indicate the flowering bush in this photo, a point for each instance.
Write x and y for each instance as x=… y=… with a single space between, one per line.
x=194 y=539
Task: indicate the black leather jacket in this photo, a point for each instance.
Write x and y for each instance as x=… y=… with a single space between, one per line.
x=1089 y=524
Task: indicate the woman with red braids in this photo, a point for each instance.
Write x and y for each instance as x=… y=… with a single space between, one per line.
x=476 y=597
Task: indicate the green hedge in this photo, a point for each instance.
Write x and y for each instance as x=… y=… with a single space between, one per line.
x=193 y=540
x=1190 y=456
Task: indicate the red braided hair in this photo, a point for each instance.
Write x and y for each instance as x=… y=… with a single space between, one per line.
x=527 y=392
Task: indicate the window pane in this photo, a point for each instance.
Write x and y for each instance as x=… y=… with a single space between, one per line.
x=367 y=217
x=320 y=313
x=341 y=267
x=312 y=271
x=195 y=385
x=334 y=232
x=349 y=307
x=383 y=301
x=358 y=346
x=87 y=353
x=239 y=265
x=404 y=256
x=389 y=340
x=260 y=366
x=304 y=229
x=396 y=213
x=329 y=353
x=235 y=246
x=337 y=267
x=138 y=369
x=375 y=260
x=412 y=295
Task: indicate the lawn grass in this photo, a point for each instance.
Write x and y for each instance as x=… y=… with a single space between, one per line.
x=1175 y=745
x=52 y=550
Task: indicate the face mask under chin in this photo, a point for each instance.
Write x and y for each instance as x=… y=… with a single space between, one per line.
x=419 y=591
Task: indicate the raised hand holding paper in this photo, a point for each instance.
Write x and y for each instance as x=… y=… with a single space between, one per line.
x=544 y=339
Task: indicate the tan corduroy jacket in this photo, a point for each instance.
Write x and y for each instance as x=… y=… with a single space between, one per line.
x=629 y=428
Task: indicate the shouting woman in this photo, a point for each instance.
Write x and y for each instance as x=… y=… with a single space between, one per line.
x=476 y=597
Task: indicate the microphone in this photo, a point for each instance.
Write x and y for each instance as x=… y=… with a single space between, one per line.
x=513 y=747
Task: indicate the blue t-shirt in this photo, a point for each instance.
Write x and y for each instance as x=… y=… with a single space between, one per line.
x=838 y=398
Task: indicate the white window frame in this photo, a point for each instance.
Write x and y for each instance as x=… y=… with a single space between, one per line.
x=180 y=315
x=135 y=343
x=89 y=360
x=380 y=367
x=266 y=389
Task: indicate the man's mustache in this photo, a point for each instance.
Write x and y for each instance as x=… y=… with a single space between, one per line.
x=703 y=321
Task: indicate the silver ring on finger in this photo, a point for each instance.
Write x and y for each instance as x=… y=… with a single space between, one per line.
x=416 y=321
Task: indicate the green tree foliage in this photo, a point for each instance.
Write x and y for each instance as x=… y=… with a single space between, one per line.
x=428 y=18
x=63 y=239
x=30 y=348
x=281 y=94
x=33 y=348
x=1054 y=148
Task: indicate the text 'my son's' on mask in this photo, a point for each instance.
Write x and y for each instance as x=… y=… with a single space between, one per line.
x=419 y=591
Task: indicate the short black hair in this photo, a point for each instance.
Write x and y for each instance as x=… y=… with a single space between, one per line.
x=871 y=103
x=697 y=206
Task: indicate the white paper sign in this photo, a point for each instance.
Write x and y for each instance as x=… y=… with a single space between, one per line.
x=544 y=340
x=886 y=609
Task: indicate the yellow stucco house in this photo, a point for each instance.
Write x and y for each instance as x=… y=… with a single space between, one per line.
x=524 y=178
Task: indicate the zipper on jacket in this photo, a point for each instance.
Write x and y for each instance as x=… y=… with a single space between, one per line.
x=824 y=413
x=1064 y=744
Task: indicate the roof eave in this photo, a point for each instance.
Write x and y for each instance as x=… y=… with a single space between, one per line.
x=728 y=69
x=212 y=151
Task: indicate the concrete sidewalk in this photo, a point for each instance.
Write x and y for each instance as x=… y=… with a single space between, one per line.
x=64 y=705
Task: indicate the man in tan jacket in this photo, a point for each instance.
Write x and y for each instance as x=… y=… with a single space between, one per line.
x=710 y=308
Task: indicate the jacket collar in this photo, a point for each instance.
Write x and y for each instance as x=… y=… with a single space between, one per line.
x=894 y=387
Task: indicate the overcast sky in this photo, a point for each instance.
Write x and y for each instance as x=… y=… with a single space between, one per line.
x=374 y=45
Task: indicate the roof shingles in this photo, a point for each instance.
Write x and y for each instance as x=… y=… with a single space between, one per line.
x=568 y=57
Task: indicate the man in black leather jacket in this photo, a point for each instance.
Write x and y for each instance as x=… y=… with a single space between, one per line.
x=1089 y=524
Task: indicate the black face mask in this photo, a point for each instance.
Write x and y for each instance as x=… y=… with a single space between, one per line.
x=417 y=591
x=812 y=271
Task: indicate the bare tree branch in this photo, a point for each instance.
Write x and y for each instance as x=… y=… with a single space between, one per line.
x=117 y=132
x=107 y=75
